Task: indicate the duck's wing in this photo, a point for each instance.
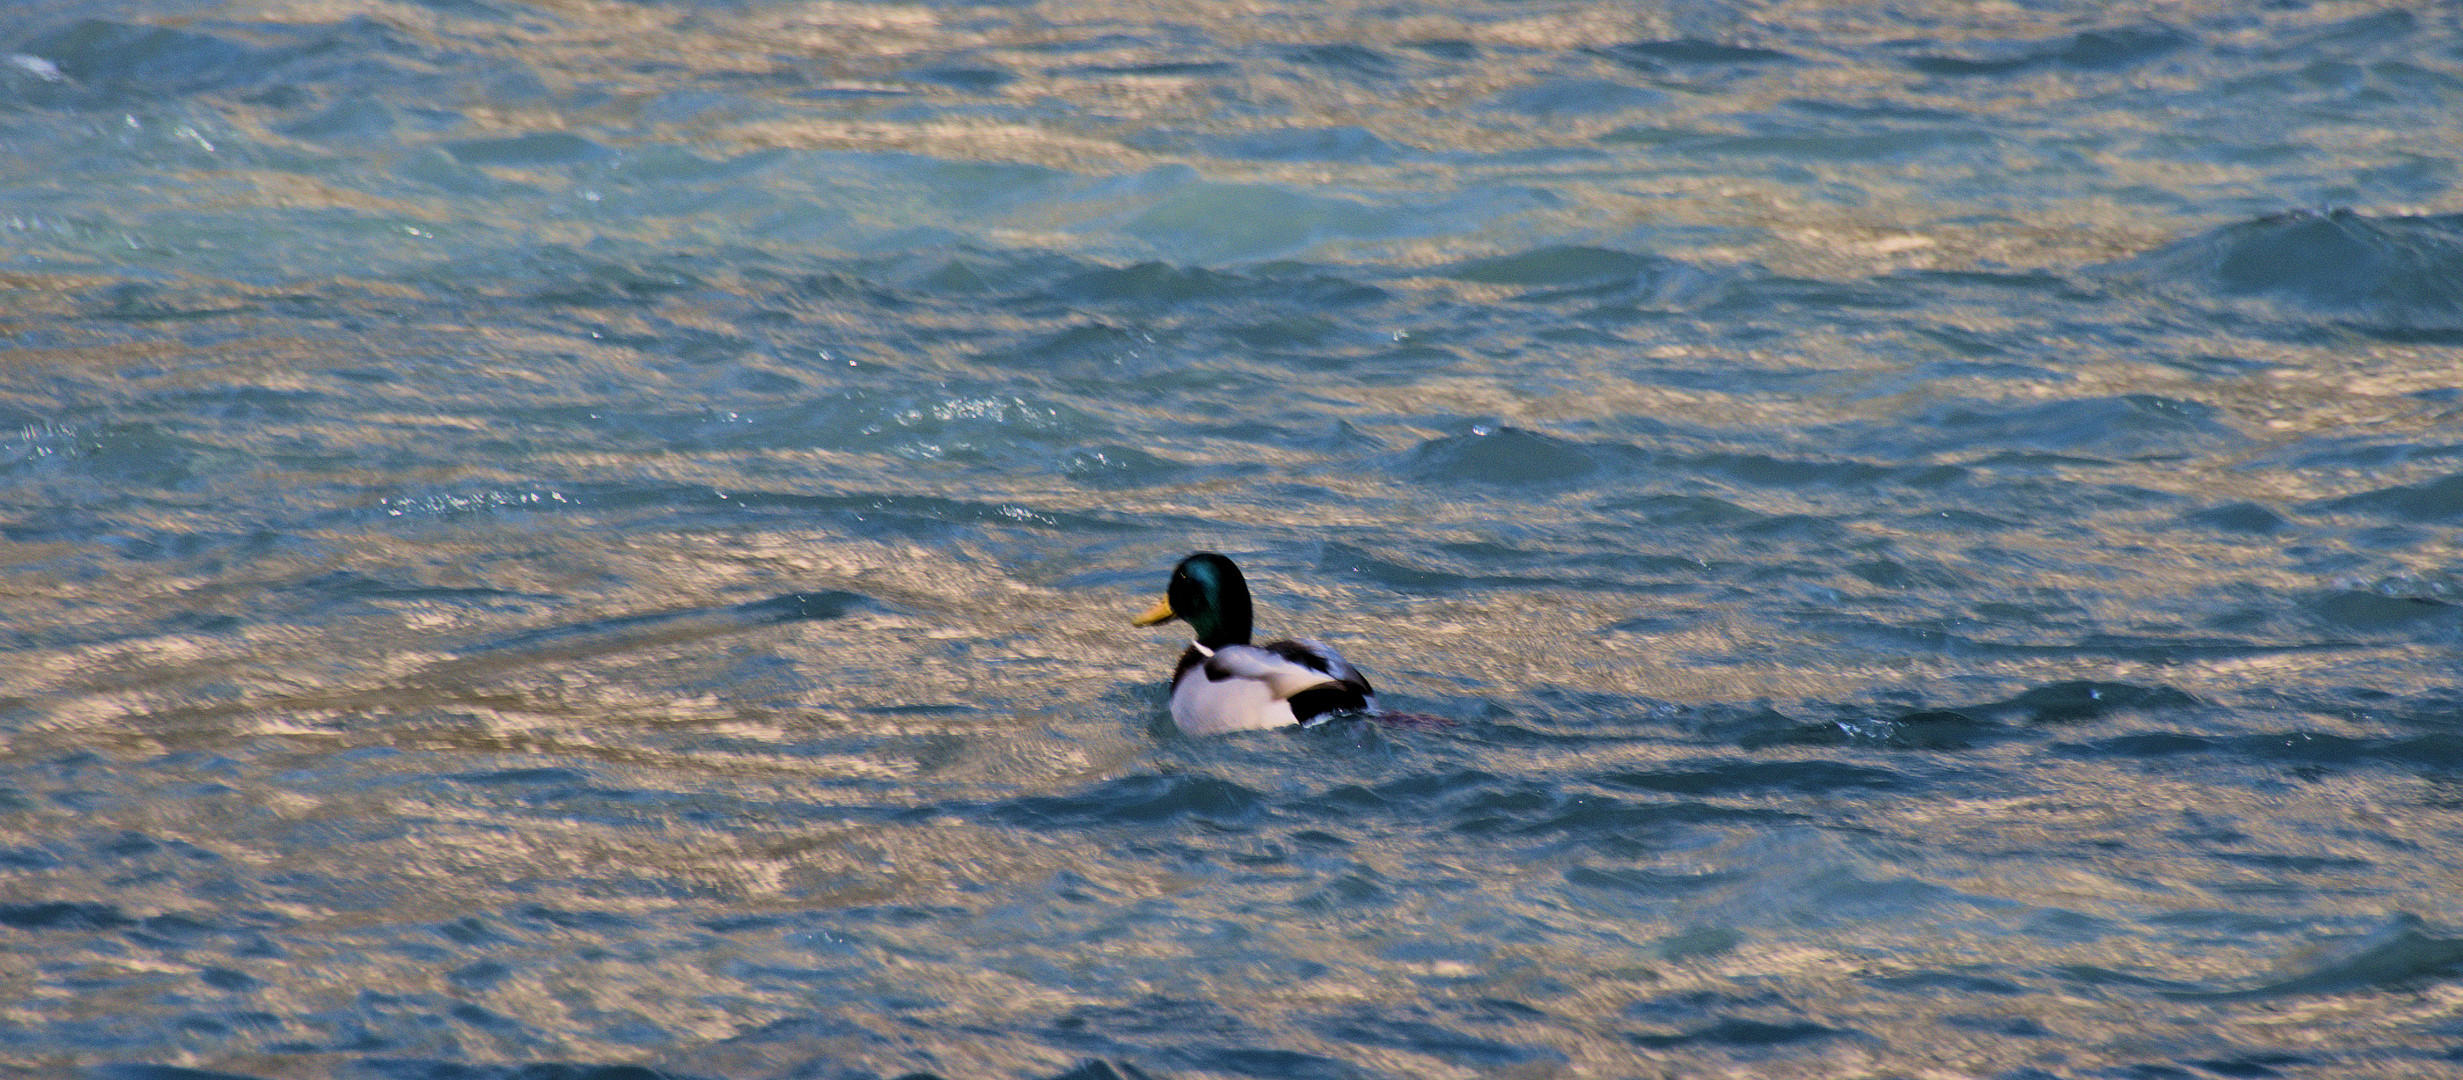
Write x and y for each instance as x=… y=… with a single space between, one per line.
x=1342 y=690
x=1318 y=656
x=1285 y=668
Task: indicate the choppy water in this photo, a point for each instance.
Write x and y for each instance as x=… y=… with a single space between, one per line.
x=556 y=538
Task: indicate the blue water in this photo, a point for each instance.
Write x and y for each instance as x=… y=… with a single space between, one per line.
x=568 y=539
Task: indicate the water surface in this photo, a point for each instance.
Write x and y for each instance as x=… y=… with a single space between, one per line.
x=561 y=538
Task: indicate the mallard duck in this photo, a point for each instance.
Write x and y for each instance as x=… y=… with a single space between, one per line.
x=1224 y=683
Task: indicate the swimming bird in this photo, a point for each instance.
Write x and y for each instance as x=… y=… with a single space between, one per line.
x=1224 y=683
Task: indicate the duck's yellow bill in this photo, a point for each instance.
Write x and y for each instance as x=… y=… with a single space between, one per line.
x=1161 y=612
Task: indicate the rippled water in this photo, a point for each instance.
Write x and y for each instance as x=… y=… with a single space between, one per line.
x=564 y=538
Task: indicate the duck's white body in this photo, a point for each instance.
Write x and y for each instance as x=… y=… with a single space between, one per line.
x=1249 y=687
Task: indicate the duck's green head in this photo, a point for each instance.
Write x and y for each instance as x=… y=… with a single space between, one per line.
x=1208 y=591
